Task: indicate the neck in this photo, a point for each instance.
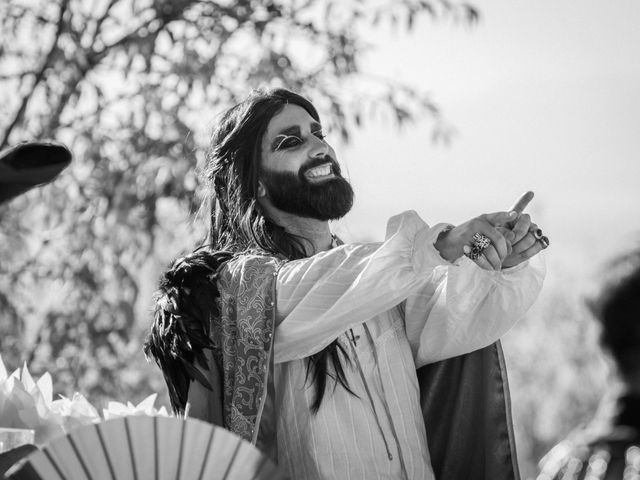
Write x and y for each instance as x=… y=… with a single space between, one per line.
x=316 y=234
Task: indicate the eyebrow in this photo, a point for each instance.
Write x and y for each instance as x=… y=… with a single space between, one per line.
x=293 y=131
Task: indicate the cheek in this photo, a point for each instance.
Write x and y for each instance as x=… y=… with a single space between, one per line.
x=282 y=162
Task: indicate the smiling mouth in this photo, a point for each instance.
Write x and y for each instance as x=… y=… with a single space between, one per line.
x=319 y=173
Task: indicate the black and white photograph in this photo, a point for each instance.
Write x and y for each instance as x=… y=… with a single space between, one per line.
x=319 y=240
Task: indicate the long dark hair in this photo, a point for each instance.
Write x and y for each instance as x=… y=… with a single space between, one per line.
x=237 y=222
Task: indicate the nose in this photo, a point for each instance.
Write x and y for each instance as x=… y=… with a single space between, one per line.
x=319 y=148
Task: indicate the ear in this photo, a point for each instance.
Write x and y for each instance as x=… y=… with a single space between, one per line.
x=262 y=191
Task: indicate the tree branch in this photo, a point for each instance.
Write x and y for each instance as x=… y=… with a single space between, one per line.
x=39 y=76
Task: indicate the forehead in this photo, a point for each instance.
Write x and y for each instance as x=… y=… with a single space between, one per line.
x=290 y=116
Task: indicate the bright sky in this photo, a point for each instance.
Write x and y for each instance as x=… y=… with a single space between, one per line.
x=544 y=96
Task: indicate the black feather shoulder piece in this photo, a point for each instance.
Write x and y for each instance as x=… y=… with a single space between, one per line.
x=179 y=336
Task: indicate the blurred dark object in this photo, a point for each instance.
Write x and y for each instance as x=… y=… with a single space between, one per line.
x=28 y=165
x=609 y=447
x=9 y=458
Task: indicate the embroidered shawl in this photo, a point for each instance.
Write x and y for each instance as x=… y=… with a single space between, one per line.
x=241 y=360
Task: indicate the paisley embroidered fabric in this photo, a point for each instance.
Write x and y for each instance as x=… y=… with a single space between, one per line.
x=241 y=364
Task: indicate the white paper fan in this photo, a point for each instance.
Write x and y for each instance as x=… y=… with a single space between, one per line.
x=143 y=447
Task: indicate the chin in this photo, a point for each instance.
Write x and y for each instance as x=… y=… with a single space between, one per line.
x=330 y=199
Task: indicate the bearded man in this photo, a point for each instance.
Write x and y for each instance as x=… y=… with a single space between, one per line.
x=309 y=348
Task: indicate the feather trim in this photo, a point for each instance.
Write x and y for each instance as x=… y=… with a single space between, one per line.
x=180 y=332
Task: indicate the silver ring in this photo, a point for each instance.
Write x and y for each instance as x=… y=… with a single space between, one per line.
x=480 y=244
x=480 y=241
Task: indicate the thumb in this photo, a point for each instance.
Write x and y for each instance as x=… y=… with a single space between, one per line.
x=499 y=219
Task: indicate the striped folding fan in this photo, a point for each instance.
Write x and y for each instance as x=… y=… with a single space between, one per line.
x=143 y=447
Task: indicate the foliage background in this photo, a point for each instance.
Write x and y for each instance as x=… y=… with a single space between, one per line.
x=131 y=86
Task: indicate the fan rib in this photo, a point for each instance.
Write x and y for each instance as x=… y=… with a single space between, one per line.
x=80 y=459
x=183 y=432
x=156 y=448
x=106 y=453
x=233 y=459
x=53 y=462
x=133 y=459
x=206 y=457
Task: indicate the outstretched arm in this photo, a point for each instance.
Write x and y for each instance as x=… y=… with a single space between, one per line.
x=464 y=308
x=320 y=297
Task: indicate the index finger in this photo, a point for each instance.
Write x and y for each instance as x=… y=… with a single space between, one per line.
x=522 y=202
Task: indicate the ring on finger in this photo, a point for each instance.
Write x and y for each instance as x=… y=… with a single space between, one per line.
x=544 y=240
x=537 y=233
x=472 y=252
x=481 y=241
x=480 y=244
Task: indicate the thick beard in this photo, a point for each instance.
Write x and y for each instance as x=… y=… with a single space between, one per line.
x=330 y=200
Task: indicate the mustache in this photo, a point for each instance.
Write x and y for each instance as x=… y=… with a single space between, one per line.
x=316 y=162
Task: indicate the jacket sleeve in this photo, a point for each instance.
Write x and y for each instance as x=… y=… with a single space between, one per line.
x=320 y=297
x=463 y=308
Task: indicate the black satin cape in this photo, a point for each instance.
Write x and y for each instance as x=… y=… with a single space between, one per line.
x=467 y=412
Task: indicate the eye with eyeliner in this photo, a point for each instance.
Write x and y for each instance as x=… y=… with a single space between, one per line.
x=287 y=141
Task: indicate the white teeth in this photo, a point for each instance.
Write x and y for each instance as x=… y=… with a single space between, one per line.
x=320 y=171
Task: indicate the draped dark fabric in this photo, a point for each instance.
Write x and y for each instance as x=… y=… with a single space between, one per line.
x=466 y=407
